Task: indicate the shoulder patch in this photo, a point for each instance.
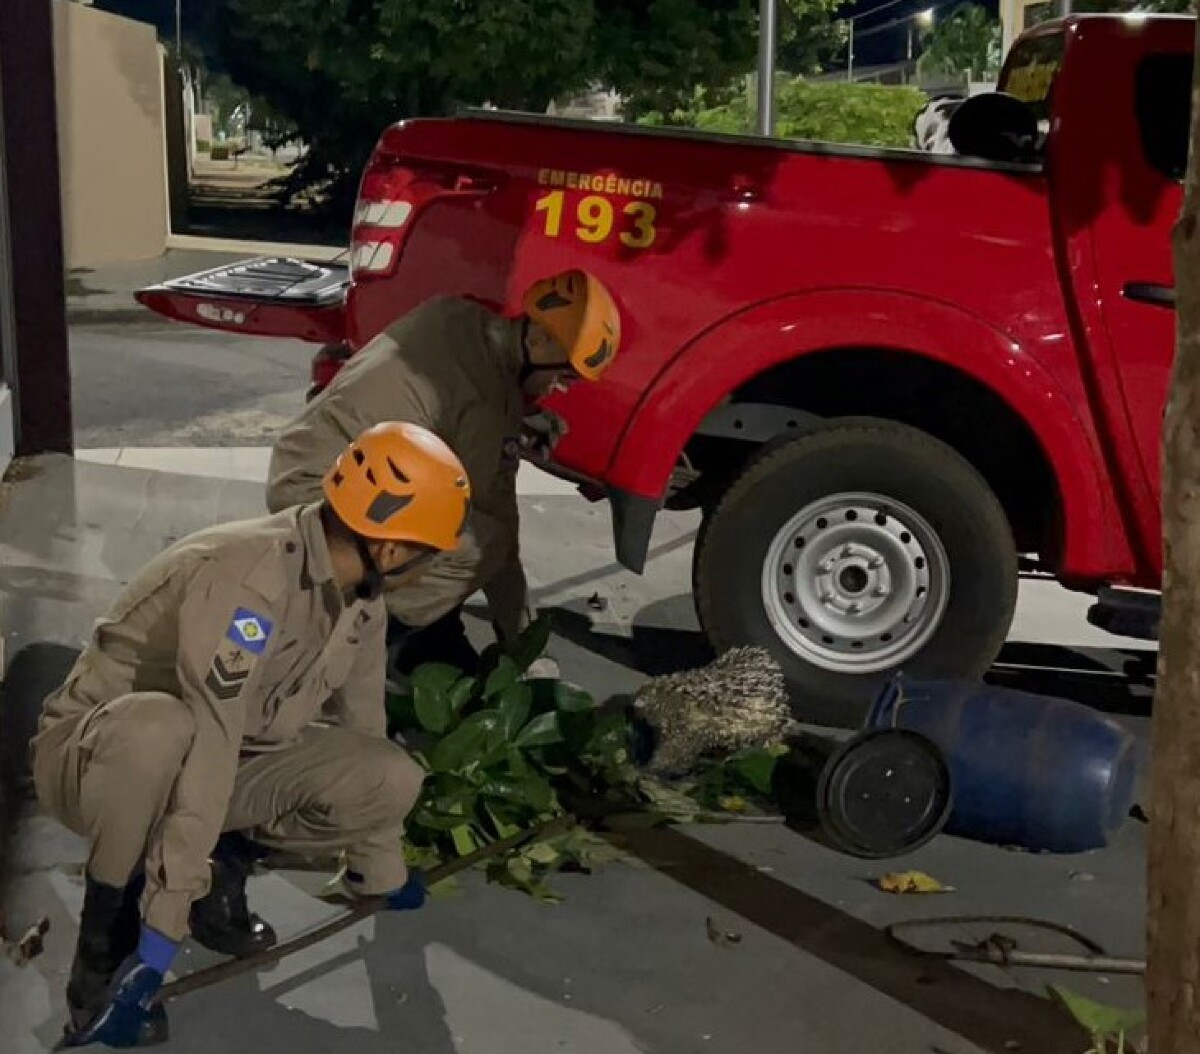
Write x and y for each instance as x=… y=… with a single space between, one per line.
x=250 y=630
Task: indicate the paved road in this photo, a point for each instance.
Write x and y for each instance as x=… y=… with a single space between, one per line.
x=159 y=384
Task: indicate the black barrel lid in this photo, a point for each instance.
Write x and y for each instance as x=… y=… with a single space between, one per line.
x=883 y=793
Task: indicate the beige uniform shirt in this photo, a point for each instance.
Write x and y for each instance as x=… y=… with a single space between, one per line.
x=452 y=366
x=246 y=624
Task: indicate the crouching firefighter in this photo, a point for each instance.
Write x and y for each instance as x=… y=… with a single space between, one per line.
x=472 y=376
x=231 y=701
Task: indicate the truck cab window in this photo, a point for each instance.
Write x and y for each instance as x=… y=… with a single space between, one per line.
x=1163 y=99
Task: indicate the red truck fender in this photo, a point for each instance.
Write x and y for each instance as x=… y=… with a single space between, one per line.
x=747 y=343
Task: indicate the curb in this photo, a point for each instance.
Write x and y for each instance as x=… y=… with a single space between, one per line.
x=119 y=316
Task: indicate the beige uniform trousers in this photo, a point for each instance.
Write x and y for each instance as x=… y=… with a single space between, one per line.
x=110 y=775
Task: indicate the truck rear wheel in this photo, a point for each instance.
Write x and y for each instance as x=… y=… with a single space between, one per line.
x=854 y=551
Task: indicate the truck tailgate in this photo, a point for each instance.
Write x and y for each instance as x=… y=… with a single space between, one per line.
x=264 y=296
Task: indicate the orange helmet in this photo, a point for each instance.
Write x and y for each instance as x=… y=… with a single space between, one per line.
x=579 y=312
x=400 y=482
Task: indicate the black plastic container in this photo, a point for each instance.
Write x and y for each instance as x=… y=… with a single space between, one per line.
x=881 y=793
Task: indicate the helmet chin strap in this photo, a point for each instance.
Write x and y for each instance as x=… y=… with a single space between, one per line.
x=373 y=579
x=530 y=368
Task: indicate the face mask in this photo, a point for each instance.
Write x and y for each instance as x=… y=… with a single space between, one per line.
x=373 y=579
x=530 y=369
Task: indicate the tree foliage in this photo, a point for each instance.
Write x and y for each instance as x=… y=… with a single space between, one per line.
x=344 y=69
x=837 y=112
x=967 y=41
x=810 y=35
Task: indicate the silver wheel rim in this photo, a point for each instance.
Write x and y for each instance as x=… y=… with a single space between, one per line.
x=856 y=583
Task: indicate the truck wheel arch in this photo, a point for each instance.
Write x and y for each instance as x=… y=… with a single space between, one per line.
x=729 y=356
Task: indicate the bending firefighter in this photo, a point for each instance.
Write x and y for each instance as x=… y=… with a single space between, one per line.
x=471 y=376
x=232 y=701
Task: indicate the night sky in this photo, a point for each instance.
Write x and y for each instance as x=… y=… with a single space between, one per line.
x=871 y=46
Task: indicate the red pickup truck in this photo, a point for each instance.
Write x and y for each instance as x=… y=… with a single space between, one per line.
x=890 y=379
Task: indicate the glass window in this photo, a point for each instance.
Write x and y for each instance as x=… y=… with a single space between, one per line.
x=1030 y=72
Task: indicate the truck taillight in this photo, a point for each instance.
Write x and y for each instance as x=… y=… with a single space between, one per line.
x=382 y=213
x=372 y=256
x=393 y=190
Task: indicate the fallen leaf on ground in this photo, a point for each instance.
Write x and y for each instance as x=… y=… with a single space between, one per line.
x=31 y=944
x=911 y=882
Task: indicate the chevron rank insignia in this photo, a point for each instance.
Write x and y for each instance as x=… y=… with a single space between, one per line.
x=229 y=671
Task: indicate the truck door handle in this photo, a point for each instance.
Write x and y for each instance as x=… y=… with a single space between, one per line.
x=1150 y=293
x=468 y=184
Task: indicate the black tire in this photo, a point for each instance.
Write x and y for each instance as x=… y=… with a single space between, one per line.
x=876 y=457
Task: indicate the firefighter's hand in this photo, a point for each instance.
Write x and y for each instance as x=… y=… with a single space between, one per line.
x=540 y=434
x=410 y=896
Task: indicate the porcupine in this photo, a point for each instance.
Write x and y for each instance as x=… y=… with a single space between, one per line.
x=738 y=702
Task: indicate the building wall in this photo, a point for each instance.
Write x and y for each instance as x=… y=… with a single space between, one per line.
x=109 y=83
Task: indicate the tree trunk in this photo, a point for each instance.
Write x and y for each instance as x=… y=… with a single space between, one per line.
x=1173 y=976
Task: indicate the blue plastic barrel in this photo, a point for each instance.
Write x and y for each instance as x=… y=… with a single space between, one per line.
x=1027 y=770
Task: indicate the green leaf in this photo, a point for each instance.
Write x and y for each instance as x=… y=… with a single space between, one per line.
x=514 y=709
x=531 y=644
x=461 y=749
x=433 y=710
x=756 y=767
x=572 y=699
x=462 y=693
x=501 y=678
x=542 y=854
x=551 y=694
x=541 y=731
x=577 y=729
x=431 y=685
x=503 y=828
x=401 y=711
x=508 y=790
x=447 y=887
x=1096 y=1018
x=432 y=820
x=517 y=763
x=518 y=867
x=538 y=793
x=464 y=838
x=436 y=676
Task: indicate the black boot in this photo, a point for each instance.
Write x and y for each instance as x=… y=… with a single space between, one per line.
x=222 y=921
x=108 y=934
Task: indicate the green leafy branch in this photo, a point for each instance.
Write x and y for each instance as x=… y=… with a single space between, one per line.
x=500 y=751
x=504 y=753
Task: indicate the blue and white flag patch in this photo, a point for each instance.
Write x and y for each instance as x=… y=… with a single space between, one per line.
x=250 y=631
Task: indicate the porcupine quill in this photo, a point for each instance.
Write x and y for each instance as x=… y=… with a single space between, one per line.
x=736 y=703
